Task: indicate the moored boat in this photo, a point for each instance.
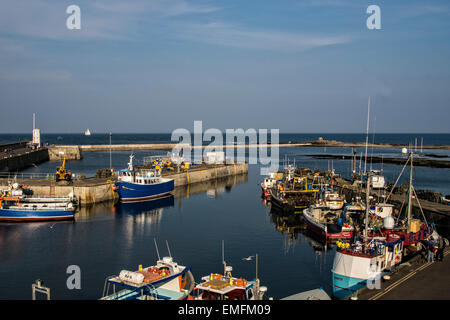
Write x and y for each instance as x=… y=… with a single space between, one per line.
x=166 y=280
x=333 y=200
x=226 y=287
x=144 y=184
x=365 y=260
x=327 y=223
x=15 y=205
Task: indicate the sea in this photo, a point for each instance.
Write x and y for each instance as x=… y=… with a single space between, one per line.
x=106 y=238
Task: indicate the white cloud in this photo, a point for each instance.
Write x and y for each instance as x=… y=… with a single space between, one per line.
x=159 y=7
x=228 y=35
x=99 y=19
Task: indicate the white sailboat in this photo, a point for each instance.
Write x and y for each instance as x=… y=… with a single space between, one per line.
x=87 y=132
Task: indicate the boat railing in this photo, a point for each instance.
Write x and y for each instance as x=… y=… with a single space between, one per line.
x=367 y=252
x=22 y=175
x=106 y=286
x=152 y=290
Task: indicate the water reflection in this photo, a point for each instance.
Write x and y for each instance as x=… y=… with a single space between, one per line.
x=296 y=231
x=213 y=188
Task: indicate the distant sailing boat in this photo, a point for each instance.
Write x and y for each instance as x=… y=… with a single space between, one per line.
x=87 y=132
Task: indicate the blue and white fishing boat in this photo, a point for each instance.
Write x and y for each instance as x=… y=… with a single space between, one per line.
x=167 y=280
x=16 y=206
x=367 y=259
x=143 y=184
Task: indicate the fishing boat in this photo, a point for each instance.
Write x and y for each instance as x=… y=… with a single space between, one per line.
x=367 y=259
x=377 y=180
x=315 y=294
x=294 y=194
x=166 y=280
x=226 y=287
x=143 y=184
x=87 y=132
x=15 y=205
x=333 y=200
x=267 y=184
x=327 y=223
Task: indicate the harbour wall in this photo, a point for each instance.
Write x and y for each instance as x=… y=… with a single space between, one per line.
x=211 y=172
x=88 y=191
x=93 y=190
x=23 y=158
x=57 y=153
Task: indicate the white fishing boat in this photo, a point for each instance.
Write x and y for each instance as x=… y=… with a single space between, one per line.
x=377 y=180
x=15 y=205
x=333 y=200
x=227 y=287
x=166 y=280
x=366 y=260
x=315 y=294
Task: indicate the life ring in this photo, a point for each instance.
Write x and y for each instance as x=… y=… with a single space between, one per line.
x=240 y=282
x=397 y=260
x=215 y=276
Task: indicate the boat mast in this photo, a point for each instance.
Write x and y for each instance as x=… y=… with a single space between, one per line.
x=367 y=134
x=257 y=280
x=223 y=260
x=157 y=251
x=410 y=193
x=367 y=209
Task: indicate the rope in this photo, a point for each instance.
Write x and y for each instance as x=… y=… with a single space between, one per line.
x=396 y=181
x=417 y=198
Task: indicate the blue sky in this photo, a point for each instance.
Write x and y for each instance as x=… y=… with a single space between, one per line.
x=158 y=65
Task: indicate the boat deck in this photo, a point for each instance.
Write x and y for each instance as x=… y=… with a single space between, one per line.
x=156 y=293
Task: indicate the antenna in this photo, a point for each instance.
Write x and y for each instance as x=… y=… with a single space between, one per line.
x=157 y=251
x=223 y=258
x=168 y=249
x=367 y=134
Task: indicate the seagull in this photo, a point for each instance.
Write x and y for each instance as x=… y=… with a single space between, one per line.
x=248 y=258
x=51 y=227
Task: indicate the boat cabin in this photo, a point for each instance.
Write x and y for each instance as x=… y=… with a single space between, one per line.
x=219 y=287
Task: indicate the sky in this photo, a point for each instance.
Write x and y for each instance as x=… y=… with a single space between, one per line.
x=152 y=66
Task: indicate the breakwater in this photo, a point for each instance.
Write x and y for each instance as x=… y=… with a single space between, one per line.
x=399 y=161
x=20 y=155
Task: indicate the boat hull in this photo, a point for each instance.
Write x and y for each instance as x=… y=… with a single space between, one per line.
x=35 y=215
x=322 y=230
x=344 y=286
x=138 y=192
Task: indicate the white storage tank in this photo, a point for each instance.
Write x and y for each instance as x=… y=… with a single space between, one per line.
x=215 y=157
x=131 y=276
x=388 y=223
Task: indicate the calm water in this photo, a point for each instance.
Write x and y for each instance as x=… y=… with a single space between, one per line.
x=104 y=240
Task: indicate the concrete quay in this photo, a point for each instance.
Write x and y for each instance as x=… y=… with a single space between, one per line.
x=414 y=280
x=90 y=191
